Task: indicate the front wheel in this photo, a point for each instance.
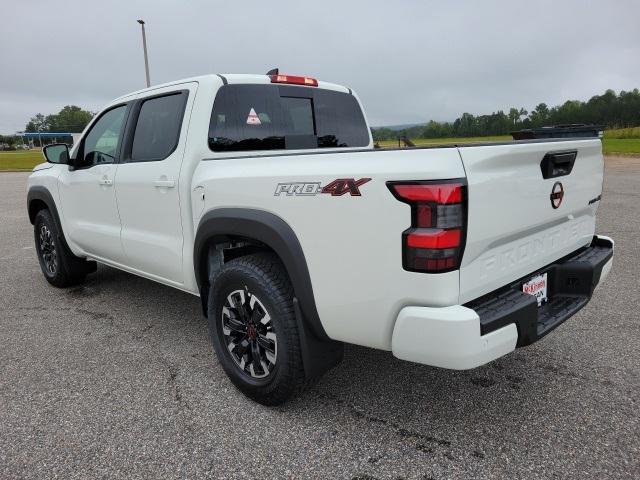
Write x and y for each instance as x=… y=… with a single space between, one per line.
x=59 y=265
x=253 y=328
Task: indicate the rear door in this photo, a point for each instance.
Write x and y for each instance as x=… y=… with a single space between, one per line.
x=147 y=182
x=529 y=205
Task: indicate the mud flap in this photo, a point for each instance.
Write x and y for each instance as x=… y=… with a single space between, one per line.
x=318 y=356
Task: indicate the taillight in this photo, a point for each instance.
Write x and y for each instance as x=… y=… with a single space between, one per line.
x=295 y=80
x=435 y=241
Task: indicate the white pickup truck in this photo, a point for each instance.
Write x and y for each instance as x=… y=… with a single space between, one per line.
x=263 y=195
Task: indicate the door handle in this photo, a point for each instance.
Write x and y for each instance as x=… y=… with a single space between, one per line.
x=164 y=184
x=105 y=181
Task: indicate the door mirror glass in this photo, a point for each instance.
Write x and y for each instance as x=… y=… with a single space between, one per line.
x=57 y=153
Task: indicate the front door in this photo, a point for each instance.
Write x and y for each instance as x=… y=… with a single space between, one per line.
x=147 y=183
x=87 y=191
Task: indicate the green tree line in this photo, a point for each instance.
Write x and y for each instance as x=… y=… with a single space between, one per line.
x=70 y=119
x=610 y=110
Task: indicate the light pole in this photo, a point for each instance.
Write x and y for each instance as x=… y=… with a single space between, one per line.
x=146 y=58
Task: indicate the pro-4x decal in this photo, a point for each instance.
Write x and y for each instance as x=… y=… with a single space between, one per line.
x=343 y=185
x=336 y=188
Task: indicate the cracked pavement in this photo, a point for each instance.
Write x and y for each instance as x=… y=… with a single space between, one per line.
x=117 y=379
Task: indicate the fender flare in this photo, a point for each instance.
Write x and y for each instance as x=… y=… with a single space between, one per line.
x=40 y=193
x=220 y=224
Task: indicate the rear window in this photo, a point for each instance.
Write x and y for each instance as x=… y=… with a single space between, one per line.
x=280 y=117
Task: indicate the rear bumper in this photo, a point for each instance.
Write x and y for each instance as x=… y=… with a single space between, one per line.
x=467 y=336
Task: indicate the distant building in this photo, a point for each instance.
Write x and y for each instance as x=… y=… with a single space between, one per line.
x=44 y=138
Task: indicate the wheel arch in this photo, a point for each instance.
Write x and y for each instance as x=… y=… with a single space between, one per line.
x=271 y=232
x=39 y=198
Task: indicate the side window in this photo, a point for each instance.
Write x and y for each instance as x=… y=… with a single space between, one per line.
x=101 y=143
x=158 y=127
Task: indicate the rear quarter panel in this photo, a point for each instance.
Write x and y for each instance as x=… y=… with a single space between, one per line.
x=352 y=244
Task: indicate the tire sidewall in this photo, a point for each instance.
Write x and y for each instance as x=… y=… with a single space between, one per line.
x=236 y=277
x=44 y=218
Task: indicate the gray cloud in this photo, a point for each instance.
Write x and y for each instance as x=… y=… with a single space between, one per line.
x=408 y=60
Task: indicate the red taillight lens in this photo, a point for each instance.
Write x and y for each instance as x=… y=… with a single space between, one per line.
x=437 y=193
x=295 y=80
x=435 y=241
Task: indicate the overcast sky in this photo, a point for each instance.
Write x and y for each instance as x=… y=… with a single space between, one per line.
x=410 y=61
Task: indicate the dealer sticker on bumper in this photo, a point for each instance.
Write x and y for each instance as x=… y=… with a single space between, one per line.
x=537 y=287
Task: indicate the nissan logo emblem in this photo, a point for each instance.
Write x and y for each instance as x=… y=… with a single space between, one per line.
x=557 y=194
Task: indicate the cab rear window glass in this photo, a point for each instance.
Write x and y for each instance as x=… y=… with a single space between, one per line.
x=284 y=117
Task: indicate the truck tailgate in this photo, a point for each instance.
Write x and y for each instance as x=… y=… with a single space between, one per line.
x=518 y=220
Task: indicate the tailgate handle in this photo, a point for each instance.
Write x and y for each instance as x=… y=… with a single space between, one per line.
x=558 y=164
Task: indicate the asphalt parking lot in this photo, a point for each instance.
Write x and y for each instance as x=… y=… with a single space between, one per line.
x=117 y=379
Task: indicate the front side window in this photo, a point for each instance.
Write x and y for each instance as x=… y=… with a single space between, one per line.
x=101 y=143
x=158 y=127
x=273 y=117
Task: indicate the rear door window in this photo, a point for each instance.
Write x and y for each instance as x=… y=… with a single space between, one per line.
x=281 y=117
x=158 y=127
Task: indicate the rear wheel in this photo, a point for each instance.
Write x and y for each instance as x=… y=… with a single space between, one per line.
x=59 y=265
x=253 y=328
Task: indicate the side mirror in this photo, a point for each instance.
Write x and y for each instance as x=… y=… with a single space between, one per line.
x=57 y=153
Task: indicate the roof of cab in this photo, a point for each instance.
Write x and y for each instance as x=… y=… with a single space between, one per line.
x=232 y=78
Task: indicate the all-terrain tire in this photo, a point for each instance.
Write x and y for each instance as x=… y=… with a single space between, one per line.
x=59 y=265
x=263 y=357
